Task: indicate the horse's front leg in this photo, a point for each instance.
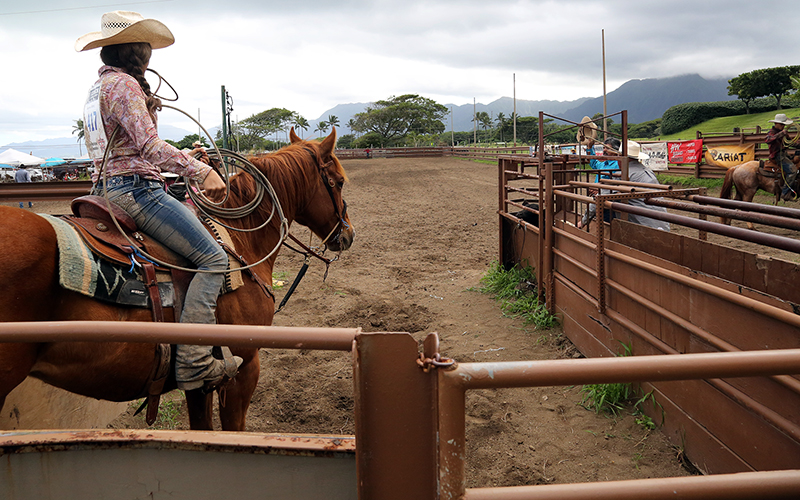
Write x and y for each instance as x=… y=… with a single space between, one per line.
x=239 y=391
x=200 y=406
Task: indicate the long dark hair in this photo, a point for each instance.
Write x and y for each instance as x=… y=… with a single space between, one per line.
x=133 y=58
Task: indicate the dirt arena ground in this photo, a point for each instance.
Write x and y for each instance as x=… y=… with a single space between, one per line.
x=426 y=231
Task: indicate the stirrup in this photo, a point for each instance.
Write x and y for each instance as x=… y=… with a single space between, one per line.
x=230 y=368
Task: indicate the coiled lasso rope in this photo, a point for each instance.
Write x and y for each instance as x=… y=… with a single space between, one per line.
x=212 y=209
x=796 y=139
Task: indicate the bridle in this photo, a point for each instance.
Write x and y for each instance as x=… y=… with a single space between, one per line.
x=329 y=184
x=308 y=251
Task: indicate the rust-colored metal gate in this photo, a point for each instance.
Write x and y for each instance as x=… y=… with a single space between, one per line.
x=665 y=293
x=410 y=419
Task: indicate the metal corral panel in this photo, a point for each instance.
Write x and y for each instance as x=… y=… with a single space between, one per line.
x=136 y=464
x=730 y=425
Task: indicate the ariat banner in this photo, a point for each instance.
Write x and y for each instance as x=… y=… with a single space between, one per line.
x=685 y=151
x=730 y=156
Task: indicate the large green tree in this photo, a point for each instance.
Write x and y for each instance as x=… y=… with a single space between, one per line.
x=743 y=88
x=394 y=118
x=763 y=82
x=265 y=124
x=187 y=141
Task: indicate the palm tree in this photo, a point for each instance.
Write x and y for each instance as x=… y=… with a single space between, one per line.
x=501 y=122
x=483 y=119
x=301 y=123
x=78 y=129
x=351 y=124
x=322 y=127
x=333 y=120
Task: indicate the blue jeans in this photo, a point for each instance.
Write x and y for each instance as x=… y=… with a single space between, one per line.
x=789 y=173
x=168 y=221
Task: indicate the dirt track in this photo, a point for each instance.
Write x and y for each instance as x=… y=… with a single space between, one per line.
x=426 y=231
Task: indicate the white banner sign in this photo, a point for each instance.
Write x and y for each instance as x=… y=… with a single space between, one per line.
x=658 y=156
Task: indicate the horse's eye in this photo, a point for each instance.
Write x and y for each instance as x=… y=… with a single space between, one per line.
x=340 y=184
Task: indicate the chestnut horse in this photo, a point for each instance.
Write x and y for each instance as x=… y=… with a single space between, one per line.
x=748 y=180
x=308 y=180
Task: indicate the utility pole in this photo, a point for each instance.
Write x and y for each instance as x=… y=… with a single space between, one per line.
x=452 y=133
x=515 y=109
x=605 y=110
x=474 y=123
x=224 y=118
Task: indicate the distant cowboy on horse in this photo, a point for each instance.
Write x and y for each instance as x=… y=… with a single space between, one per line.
x=778 y=154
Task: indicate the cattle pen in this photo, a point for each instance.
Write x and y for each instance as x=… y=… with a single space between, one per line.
x=400 y=454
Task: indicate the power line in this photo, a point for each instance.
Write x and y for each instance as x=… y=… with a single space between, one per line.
x=80 y=8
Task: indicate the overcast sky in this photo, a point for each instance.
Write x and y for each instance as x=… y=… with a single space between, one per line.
x=310 y=55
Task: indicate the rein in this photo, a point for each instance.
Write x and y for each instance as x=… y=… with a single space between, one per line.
x=309 y=252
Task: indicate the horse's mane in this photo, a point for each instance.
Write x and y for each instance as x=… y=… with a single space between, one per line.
x=290 y=170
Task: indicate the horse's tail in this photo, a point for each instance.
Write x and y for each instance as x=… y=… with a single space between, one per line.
x=727 y=185
x=725 y=192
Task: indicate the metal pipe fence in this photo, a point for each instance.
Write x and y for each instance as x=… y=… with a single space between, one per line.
x=454 y=383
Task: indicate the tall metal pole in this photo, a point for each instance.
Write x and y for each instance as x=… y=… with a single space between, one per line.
x=515 y=109
x=605 y=109
x=224 y=119
x=474 y=123
x=452 y=133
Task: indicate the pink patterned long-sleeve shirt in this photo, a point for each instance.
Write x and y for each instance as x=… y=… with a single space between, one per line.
x=137 y=149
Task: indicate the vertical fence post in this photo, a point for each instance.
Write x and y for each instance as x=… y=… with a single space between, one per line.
x=395 y=417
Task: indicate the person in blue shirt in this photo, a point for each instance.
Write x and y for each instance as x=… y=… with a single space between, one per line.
x=611 y=147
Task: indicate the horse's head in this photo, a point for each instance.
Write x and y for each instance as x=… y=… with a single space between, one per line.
x=326 y=213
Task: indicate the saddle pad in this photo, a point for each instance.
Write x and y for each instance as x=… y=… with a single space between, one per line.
x=233 y=279
x=81 y=271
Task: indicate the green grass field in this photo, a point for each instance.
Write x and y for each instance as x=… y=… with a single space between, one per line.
x=726 y=124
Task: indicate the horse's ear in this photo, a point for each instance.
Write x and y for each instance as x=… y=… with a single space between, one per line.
x=329 y=144
x=293 y=137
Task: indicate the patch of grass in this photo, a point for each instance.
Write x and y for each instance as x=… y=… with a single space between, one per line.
x=515 y=290
x=686 y=181
x=169 y=411
x=607 y=398
x=726 y=124
x=279 y=279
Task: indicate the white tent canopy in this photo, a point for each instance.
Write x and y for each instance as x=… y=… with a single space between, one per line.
x=16 y=158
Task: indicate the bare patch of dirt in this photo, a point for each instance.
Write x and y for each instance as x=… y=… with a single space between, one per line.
x=426 y=231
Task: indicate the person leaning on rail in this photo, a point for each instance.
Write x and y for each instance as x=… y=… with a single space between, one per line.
x=778 y=154
x=637 y=172
x=121 y=100
x=610 y=147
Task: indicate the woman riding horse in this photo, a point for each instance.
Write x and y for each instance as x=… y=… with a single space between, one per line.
x=121 y=106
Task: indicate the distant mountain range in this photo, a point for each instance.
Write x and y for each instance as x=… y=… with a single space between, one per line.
x=645 y=100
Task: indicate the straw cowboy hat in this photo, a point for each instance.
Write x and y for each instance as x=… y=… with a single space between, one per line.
x=635 y=151
x=587 y=130
x=781 y=118
x=123 y=26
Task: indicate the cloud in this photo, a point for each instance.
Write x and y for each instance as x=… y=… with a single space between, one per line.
x=309 y=56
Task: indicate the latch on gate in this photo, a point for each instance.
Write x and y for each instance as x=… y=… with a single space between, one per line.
x=430 y=357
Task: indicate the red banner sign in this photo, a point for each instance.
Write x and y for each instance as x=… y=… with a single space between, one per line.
x=685 y=151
